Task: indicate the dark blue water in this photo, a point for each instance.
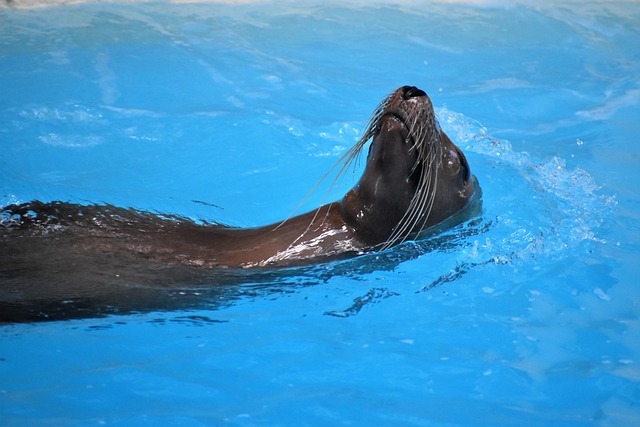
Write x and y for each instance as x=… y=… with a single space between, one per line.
x=231 y=113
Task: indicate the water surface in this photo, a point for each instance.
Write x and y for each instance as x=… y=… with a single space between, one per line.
x=231 y=113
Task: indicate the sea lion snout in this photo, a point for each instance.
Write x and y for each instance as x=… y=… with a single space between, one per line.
x=412 y=92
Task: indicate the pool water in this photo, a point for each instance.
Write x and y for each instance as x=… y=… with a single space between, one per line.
x=526 y=315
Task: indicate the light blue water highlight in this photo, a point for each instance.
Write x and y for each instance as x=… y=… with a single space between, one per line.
x=231 y=113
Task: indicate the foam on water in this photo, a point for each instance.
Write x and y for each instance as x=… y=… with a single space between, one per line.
x=563 y=206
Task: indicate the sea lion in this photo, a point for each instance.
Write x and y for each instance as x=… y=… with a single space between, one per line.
x=86 y=260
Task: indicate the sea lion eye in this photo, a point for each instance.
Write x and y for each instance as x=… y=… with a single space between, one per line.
x=458 y=161
x=453 y=156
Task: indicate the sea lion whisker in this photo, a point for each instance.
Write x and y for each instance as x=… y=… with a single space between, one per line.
x=421 y=199
x=345 y=159
x=422 y=202
x=350 y=157
x=407 y=223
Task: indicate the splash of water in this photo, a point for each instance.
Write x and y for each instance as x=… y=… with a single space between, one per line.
x=544 y=207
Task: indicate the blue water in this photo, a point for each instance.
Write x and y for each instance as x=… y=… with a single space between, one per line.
x=231 y=113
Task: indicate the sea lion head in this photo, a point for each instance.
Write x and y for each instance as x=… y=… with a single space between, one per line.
x=415 y=176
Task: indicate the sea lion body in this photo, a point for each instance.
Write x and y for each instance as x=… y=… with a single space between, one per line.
x=415 y=177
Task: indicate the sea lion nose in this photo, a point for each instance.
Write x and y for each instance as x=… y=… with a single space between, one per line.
x=412 y=92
